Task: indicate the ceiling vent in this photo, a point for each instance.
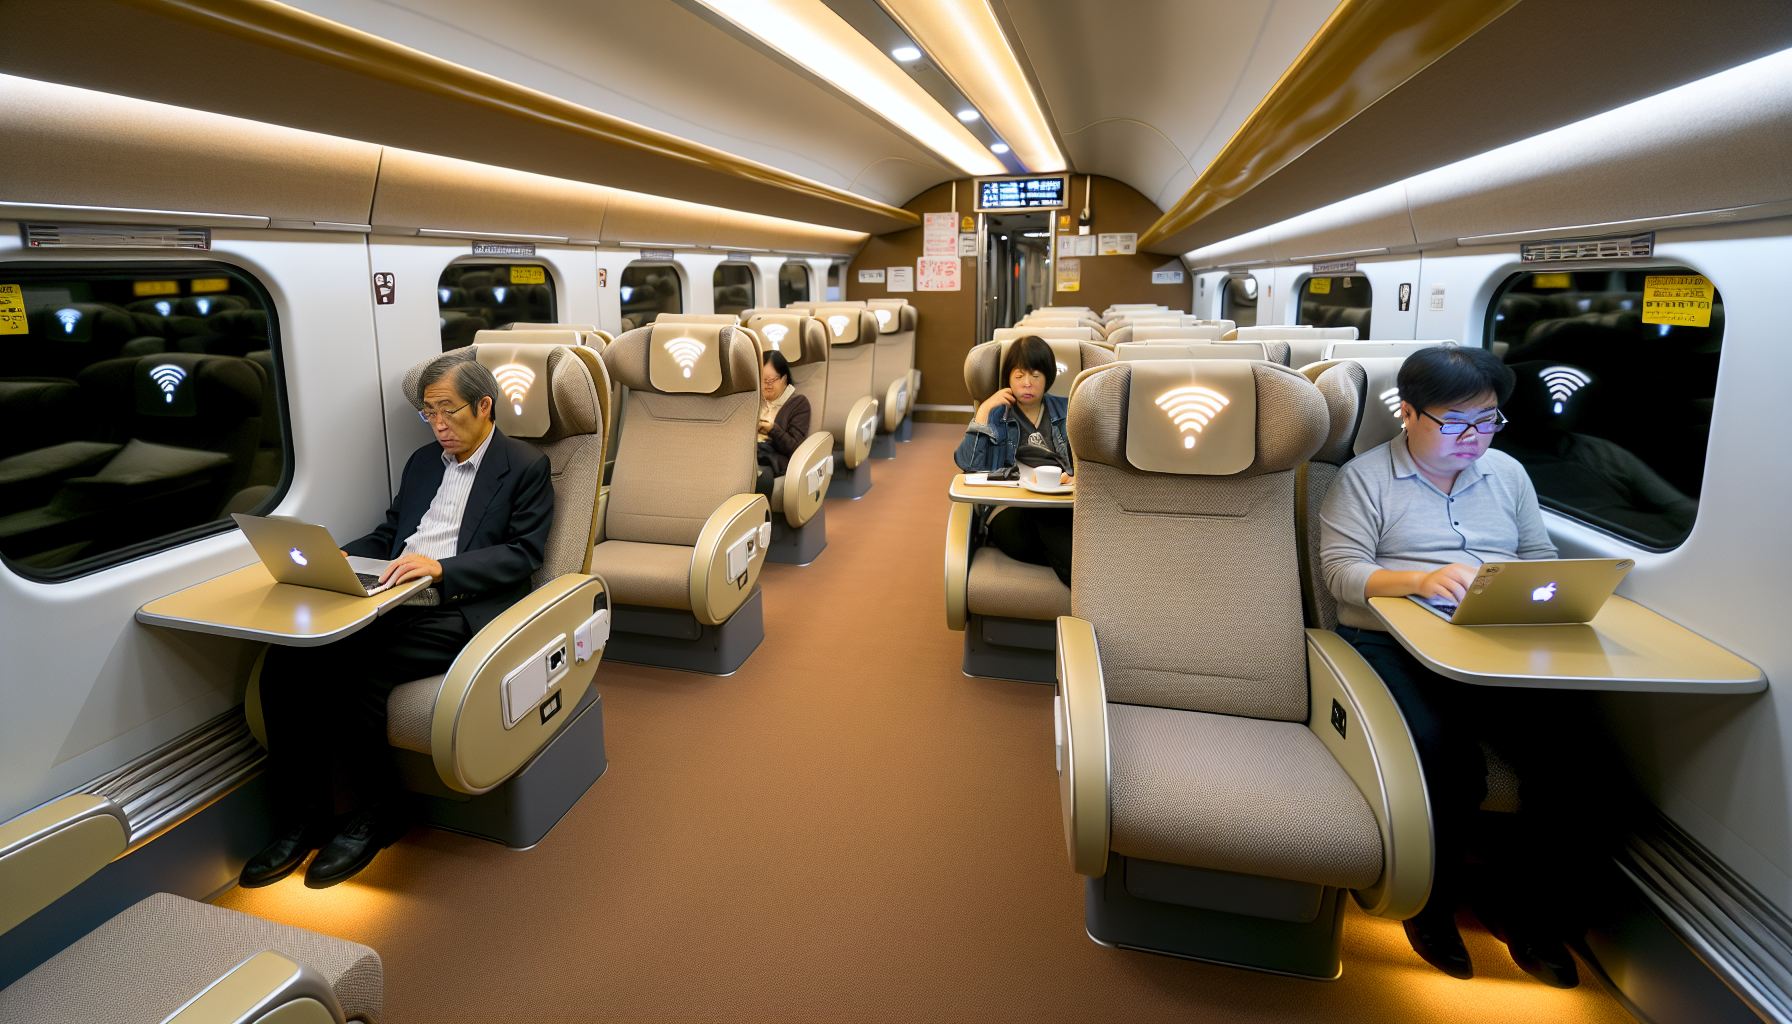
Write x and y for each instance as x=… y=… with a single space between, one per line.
x=1636 y=247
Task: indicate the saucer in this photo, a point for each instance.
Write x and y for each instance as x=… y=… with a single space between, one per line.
x=1057 y=489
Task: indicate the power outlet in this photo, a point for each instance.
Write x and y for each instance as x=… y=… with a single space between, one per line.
x=526 y=685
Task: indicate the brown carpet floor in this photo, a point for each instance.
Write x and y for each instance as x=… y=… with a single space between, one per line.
x=846 y=829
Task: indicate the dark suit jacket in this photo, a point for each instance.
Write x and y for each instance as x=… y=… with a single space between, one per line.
x=503 y=535
x=790 y=428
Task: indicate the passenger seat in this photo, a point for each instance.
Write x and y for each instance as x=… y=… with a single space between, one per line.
x=896 y=324
x=853 y=407
x=1273 y=351
x=1306 y=344
x=799 y=518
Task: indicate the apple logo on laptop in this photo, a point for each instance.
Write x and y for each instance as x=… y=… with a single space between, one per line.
x=1544 y=593
x=298 y=557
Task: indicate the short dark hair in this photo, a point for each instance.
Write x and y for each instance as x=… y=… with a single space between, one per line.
x=778 y=363
x=1029 y=353
x=468 y=377
x=1444 y=374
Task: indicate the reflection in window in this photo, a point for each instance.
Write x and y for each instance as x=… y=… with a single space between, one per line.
x=733 y=284
x=647 y=290
x=1336 y=301
x=141 y=409
x=793 y=284
x=1238 y=300
x=1616 y=375
x=474 y=297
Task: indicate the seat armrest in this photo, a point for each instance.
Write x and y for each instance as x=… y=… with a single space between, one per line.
x=958 y=563
x=473 y=739
x=603 y=510
x=46 y=852
x=730 y=550
x=265 y=986
x=1081 y=720
x=860 y=430
x=895 y=404
x=806 y=478
x=1356 y=718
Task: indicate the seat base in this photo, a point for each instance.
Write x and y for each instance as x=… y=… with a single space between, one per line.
x=673 y=638
x=1314 y=949
x=849 y=483
x=798 y=546
x=906 y=432
x=523 y=810
x=883 y=446
x=1025 y=650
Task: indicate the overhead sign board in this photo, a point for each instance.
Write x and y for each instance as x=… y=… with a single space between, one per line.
x=1046 y=192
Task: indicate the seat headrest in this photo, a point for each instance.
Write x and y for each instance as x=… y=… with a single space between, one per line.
x=847 y=325
x=521 y=409
x=563 y=392
x=1380 y=421
x=983 y=363
x=1160 y=350
x=1197 y=417
x=722 y=359
x=519 y=325
x=696 y=318
x=1376 y=349
x=801 y=339
x=1343 y=385
x=1048 y=333
x=1294 y=331
x=167 y=383
x=1136 y=332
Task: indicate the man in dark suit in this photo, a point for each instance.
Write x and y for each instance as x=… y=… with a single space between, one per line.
x=472 y=514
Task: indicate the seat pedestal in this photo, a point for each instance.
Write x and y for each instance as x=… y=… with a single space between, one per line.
x=906 y=432
x=798 y=546
x=1312 y=949
x=849 y=483
x=1001 y=648
x=883 y=446
x=673 y=638
x=521 y=811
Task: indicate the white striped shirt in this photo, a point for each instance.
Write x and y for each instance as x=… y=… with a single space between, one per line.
x=438 y=533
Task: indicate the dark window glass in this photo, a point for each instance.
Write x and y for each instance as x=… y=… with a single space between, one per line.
x=1336 y=301
x=834 y=282
x=474 y=297
x=142 y=406
x=793 y=284
x=647 y=291
x=733 y=284
x=1238 y=300
x=1616 y=375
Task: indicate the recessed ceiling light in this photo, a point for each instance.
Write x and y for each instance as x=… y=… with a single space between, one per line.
x=968 y=115
x=906 y=53
x=1000 y=147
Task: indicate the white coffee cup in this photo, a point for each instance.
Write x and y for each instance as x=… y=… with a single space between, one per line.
x=1047 y=476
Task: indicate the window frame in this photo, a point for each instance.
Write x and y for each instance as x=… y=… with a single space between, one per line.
x=678 y=270
x=137 y=269
x=468 y=260
x=808 y=281
x=1301 y=295
x=753 y=288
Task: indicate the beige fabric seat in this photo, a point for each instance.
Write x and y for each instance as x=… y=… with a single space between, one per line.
x=1307 y=344
x=1273 y=351
x=1124 y=333
x=999 y=585
x=147 y=962
x=897 y=322
x=797 y=494
x=853 y=407
x=1216 y=760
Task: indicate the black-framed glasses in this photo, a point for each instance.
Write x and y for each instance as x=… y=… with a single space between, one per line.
x=1451 y=428
x=429 y=415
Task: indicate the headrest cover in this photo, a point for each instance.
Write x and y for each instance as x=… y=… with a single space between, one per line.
x=796 y=336
x=165 y=384
x=1380 y=421
x=521 y=408
x=1376 y=349
x=1048 y=333
x=1067 y=353
x=685 y=358
x=1185 y=333
x=1160 y=350
x=889 y=321
x=696 y=318
x=843 y=323
x=521 y=326
x=1342 y=385
x=1193 y=417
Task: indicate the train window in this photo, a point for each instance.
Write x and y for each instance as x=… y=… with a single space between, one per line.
x=834 y=282
x=1336 y=301
x=649 y=289
x=474 y=297
x=1616 y=375
x=1238 y=300
x=143 y=406
x=793 y=284
x=733 y=284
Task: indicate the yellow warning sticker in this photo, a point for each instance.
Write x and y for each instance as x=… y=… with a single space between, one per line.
x=1319 y=286
x=202 y=285
x=1069 y=275
x=1552 y=281
x=12 y=310
x=528 y=275
x=142 y=288
x=1682 y=301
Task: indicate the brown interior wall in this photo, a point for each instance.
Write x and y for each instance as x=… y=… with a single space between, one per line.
x=948 y=320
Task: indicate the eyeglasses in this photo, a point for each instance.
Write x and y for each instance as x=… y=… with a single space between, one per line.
x=1451 y=428
x=430 y=415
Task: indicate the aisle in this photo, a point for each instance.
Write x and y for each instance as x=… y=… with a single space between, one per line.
x=846 y=829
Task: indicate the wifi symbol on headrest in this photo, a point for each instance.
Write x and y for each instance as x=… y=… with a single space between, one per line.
x=1063 y=369
x=838 y=324
x=514 y=380
x=1563 y=382
x=69 y=318
x=168 y=377
x=1391 y=399
x=883 y=316
x=775 y=333
x=1191 y=408
x=685 y=352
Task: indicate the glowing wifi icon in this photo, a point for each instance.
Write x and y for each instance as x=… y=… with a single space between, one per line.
x=685 y=351
x=165 y=307
x=775 y=333
x=837 y=324
x=514 y=380
x=444 y=294
x=205 y=306
x=69 y=318
x=1062 y=369
x=1191 y=408
x=883 y=317
x=1391 y=399
x=168 y=377
x=1563 y=382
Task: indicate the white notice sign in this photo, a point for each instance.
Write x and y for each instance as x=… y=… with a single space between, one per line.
x=939 y=234
x=1166 y=277
x=938 y=274
x=1083 y=245
x=1119 y=244
x=871 y=277
x=967 y=244
x=1437 y=296
x=902 y=279
x=1067 y=245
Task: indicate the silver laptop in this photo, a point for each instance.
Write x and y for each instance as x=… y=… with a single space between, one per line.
x=1534 y=593
x=305 y=555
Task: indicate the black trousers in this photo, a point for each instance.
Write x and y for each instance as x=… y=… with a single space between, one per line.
x=1040 y=536
x=325 y=708
x=767 y=472
x=1572 y=796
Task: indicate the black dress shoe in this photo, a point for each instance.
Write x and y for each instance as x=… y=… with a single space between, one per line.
x=1545 y=959
x=280 y=857
x=363 y=836
x=1435 y=938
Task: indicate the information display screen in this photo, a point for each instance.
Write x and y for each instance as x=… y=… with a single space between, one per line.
x=1022 y=194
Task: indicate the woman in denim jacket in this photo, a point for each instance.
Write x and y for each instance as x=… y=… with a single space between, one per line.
x=1023 y=413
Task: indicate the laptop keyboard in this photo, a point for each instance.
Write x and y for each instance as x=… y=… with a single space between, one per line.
x=368 y=579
